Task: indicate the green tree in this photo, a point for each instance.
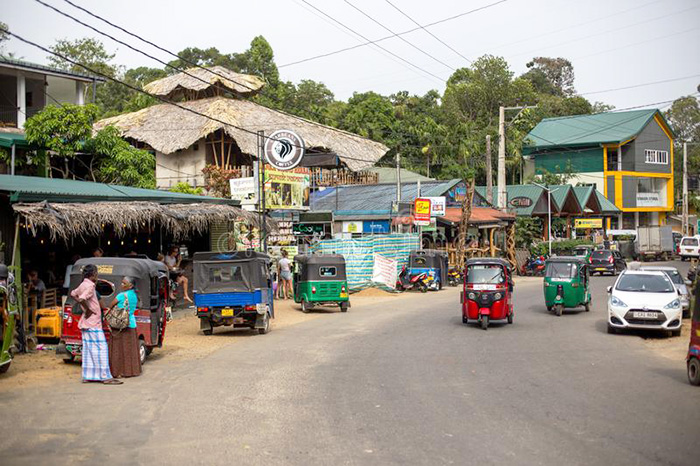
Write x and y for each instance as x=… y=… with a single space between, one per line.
x=684 y=118
x=185 y=188
x=115 y=161
x=552 y=76
x=87 y=51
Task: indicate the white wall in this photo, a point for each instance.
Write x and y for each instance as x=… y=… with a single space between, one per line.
x=181 y=166
x=60 y=89
x=596 y=178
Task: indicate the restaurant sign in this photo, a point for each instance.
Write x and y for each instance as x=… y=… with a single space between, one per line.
x=421 y=211
x=284 y=149
x=585 y=223
x=520 y=201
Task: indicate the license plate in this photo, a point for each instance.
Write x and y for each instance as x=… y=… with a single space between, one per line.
x=645 y=315
x=227 y=312
x=343 y=295
x=601 y=268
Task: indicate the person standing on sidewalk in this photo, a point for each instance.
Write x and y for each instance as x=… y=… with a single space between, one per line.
x=95 y=352
x=284 y=267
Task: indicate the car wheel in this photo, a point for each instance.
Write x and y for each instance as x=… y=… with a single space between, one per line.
x=694 y=371
x=484 y=322
x=304 y=307
x=266 y=328
x=612 y=330
x=676 y=333
x=142 y=351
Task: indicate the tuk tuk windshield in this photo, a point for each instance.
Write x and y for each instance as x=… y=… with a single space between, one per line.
x=224 y=276
x=485 y=274
x=561 y=270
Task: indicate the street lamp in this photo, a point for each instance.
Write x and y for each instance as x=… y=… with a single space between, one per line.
x=549 y=214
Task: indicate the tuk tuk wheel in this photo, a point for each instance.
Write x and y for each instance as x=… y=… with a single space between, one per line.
x=142 y=351
x=266 y=328
x=587 y=306
x=549 y=308
x=465 y=320
x=5 y=367
x=510 y=318
x=559 y=309
x=694 y=371
x=304 y=306
x=343 y=307
x=70 y=359
x=484 y=322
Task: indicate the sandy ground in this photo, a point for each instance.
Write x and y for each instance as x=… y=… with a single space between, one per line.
x=183 y=341
x=675 y=348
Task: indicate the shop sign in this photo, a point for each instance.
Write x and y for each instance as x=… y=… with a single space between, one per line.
x=276 y=251
x=286 y=190
x=308 y=229
x=384 y=270
x=431 y=227
x=585 y=223
x=352 y=227
x=243 y=190
x=376 y=226
x=421 y=211
x=285 y=234
x=520 y=201
x=649 y=200
x=438 y=206
x=284 y=149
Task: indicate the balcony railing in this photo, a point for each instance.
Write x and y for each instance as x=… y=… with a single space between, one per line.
x=338 y=177
x=8 y=116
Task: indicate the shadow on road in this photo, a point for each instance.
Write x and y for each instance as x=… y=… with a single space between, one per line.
x=677 y=374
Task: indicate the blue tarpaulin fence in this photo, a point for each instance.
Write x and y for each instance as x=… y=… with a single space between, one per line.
x=359 y=256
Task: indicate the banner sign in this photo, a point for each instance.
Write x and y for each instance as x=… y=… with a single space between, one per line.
x=308 y=229
x=384 y=271
x=438 y=206
x=421 y=211
x=284 y=149
x=352 y=227
x=284 y=236
x=649 y=200
x=286 y=190
x=520 y=201
x=243 y=189
x=376 y=226
x=584 y=223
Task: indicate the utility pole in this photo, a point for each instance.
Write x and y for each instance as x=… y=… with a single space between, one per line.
x=684 y=228
x=489 y=171
x=502 y=196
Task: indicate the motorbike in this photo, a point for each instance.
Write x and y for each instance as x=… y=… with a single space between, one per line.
x=421 y=281
x=533 y=267
x=454 y=277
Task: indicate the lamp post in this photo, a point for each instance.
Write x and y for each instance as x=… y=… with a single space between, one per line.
x=549 y=214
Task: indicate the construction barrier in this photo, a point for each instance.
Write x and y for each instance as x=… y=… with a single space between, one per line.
x=359 y=254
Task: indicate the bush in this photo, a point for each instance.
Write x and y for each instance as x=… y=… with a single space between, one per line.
x=560 y=248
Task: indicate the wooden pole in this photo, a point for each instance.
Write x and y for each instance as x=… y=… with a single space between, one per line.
x=464 y=225
x=489 y=171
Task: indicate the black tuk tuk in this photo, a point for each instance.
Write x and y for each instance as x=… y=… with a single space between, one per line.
x=431 y=262
x=321 y=279
x=151 y=287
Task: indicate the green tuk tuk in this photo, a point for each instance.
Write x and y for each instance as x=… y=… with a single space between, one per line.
x=320 y=280
x=566 y=284
x=583 y=251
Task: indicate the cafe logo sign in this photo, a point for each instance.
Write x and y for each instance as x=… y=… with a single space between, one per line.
x=520 y=201
x=284 y=149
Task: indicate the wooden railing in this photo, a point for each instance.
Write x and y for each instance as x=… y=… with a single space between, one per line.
x=338 y=177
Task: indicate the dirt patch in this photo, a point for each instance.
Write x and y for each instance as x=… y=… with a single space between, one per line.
x=183 y=341
x=371 y=292
x=674 y=348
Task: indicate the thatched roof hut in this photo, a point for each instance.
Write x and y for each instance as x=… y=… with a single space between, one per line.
x=197 y=83
x=167 y=128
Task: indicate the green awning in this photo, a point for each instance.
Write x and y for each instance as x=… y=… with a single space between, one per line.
x=17 y=139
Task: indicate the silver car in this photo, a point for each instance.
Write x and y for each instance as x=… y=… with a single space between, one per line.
x=678 y=281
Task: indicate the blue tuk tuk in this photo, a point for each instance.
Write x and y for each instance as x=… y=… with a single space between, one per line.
x=431 y=262
x=233 y=289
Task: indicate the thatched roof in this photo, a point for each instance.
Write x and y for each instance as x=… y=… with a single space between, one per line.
x=75 y=220
x=201 y=80
x=167 y=128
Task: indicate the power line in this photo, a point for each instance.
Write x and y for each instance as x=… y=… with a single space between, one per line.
x=641 y=85
x=400 y=37
x=381 y=39
x=379 y=46
x=427 y=31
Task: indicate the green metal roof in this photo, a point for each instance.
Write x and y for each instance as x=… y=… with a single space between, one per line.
x=18 y=139
x=560 y=194
x=37 y=189
x=530 y=191
x=583 y=194
x=587 y=130
x=606 y=207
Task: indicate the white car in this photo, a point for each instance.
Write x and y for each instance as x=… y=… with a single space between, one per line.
x=644 y=300
x=678 y=281
x=689 y=247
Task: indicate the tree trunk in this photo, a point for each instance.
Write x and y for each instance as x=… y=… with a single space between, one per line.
x=464 y=225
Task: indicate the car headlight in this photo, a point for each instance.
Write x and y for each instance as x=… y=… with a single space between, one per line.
x=471 y=296
x=675 y=304
x=615 y=301
x=497 y=296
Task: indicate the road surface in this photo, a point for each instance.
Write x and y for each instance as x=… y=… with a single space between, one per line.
x=394 y=382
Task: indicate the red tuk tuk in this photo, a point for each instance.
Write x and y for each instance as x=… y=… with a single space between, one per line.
x=693 y=358
x=487 y=294
x=151 y=280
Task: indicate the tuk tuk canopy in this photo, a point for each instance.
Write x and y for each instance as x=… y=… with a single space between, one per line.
x=321 y=267
x=563 y=267
x=226 y=272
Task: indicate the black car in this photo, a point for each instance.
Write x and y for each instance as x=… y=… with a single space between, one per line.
x=605 y=261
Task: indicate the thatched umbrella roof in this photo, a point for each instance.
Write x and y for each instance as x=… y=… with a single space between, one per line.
x=167 y=128
x=75 y=220
x=203 y=81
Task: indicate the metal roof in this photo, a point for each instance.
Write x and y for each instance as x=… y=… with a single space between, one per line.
x=7 y=62
x=606 y=206
x=19 y=140
x=37 y=189
x=586 y=130
x=530 y=191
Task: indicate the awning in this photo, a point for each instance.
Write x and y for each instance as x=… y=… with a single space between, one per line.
x=17 y=139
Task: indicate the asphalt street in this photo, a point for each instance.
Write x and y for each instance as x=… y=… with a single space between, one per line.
x=401 y=381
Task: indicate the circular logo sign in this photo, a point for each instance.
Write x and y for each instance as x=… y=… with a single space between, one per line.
x=284 y=149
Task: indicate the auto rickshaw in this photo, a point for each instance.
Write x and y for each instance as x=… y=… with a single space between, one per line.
x=583 y=251
x=151 y=287
x=488 y=290
x=233 y=289
x=431 y=262
x=566 y=284
x=320 y=280
x=693 y=358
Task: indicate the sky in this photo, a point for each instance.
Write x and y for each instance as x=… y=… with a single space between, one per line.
x=612 y=44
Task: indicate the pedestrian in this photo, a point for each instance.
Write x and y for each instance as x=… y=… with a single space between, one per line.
x=98 y=252
x=95 y=353
x=36 y=286
x=172 y=261
x=284 y=269
x=124 y=358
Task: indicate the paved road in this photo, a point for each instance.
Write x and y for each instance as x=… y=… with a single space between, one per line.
x=408 y=384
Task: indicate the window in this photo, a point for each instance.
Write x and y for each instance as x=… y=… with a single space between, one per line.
x=656 y=156
x=327 y=271
x=561 y=270
x=485 y=274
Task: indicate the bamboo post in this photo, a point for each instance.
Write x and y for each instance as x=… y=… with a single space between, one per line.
x=492 y=246
x=464 y=225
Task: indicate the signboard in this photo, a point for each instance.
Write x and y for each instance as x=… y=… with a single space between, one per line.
x=421 y=211
x=376 y=226
x=431 y=227
x=284 y=149
x=649 y=200
x=286 y=190
x=352 y=227
x=438 y=206
x=285 y=234
x=243 y=189
x=584 y=223
x=384 y=271
x=520 y=201
x=308 y=229
x=276 y=251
